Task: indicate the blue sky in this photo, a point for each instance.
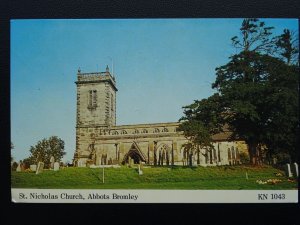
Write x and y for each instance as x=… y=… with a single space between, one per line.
x=160 y=65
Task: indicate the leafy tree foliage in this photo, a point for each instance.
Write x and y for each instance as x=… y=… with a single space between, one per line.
x=287 y=47
x=28 y=161
x=202 y=120
x=205 y=115
x=255 y=37
x=46 y=148
x=257 y=95
x=262 y=95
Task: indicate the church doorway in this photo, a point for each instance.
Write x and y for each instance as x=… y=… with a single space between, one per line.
x=132 y=154
x=135 y=154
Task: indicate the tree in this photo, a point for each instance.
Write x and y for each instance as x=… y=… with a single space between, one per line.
x=28 y=161
x=46 y=148
x=282 y=130
x=202 y=120
x=257 y=95
x=287 y=46
x=262 y=95
x=255 y=36
x=261 y=90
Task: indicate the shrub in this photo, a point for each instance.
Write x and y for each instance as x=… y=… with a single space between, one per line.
x=244 y=157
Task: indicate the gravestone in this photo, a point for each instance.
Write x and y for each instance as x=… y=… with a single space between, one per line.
x=19 y=168
x=56 y=166
x=140 y=171
x=40 y=168
x=52 y=162
x=33 y=168
x=288 y=171
x=295 y=169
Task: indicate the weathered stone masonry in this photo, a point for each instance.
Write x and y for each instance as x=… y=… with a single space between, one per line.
x=100 y=142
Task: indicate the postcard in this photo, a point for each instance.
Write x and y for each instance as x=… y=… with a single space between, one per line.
x=154 y=110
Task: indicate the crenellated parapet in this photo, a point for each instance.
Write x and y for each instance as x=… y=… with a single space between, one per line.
x=132 y=131
x=96 y=77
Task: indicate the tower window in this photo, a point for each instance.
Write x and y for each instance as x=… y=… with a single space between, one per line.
x=92 y=99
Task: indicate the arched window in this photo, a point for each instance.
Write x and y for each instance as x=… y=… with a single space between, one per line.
x=165 y=130
x=164 y=155
x=232 y=152
x=229 y=154
x=136 y=131
x=215 y=154
x=219 y=153
x=156 y=130
x=115 y=132
x=92 y=99
x=144 y=131
x=123 y=132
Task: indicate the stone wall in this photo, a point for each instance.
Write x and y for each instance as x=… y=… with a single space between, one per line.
x=110 y=146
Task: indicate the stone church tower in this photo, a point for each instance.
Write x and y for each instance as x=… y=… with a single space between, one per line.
x=96 y=99
x=96 y=104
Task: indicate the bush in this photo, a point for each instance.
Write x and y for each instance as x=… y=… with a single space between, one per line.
x=282 y=158
x=244 y=157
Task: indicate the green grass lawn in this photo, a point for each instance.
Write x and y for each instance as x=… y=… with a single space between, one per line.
x=209 y=178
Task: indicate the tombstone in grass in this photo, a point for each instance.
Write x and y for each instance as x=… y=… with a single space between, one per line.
x=295 y=169
x=19 y=168
x=56 y=166
x=33 y=168
x=40 y=168
x=52 y=162
x=140 y=171
x=288 y=171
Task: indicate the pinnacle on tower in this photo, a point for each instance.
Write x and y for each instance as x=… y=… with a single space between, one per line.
x=79 y=70
x=107 y=68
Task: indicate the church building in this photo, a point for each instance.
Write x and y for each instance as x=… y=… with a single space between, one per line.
x=99 y=141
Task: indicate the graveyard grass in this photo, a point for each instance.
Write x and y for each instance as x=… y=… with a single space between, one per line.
x=195 y=178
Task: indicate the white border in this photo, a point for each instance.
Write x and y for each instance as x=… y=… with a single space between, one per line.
x=152 y=196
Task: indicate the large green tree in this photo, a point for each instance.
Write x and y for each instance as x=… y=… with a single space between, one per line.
x=258 y=89
x=287 y=47
x=46 y=148
x=261 y=94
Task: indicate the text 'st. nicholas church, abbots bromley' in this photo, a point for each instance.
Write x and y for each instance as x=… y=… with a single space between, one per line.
x=99 y=141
